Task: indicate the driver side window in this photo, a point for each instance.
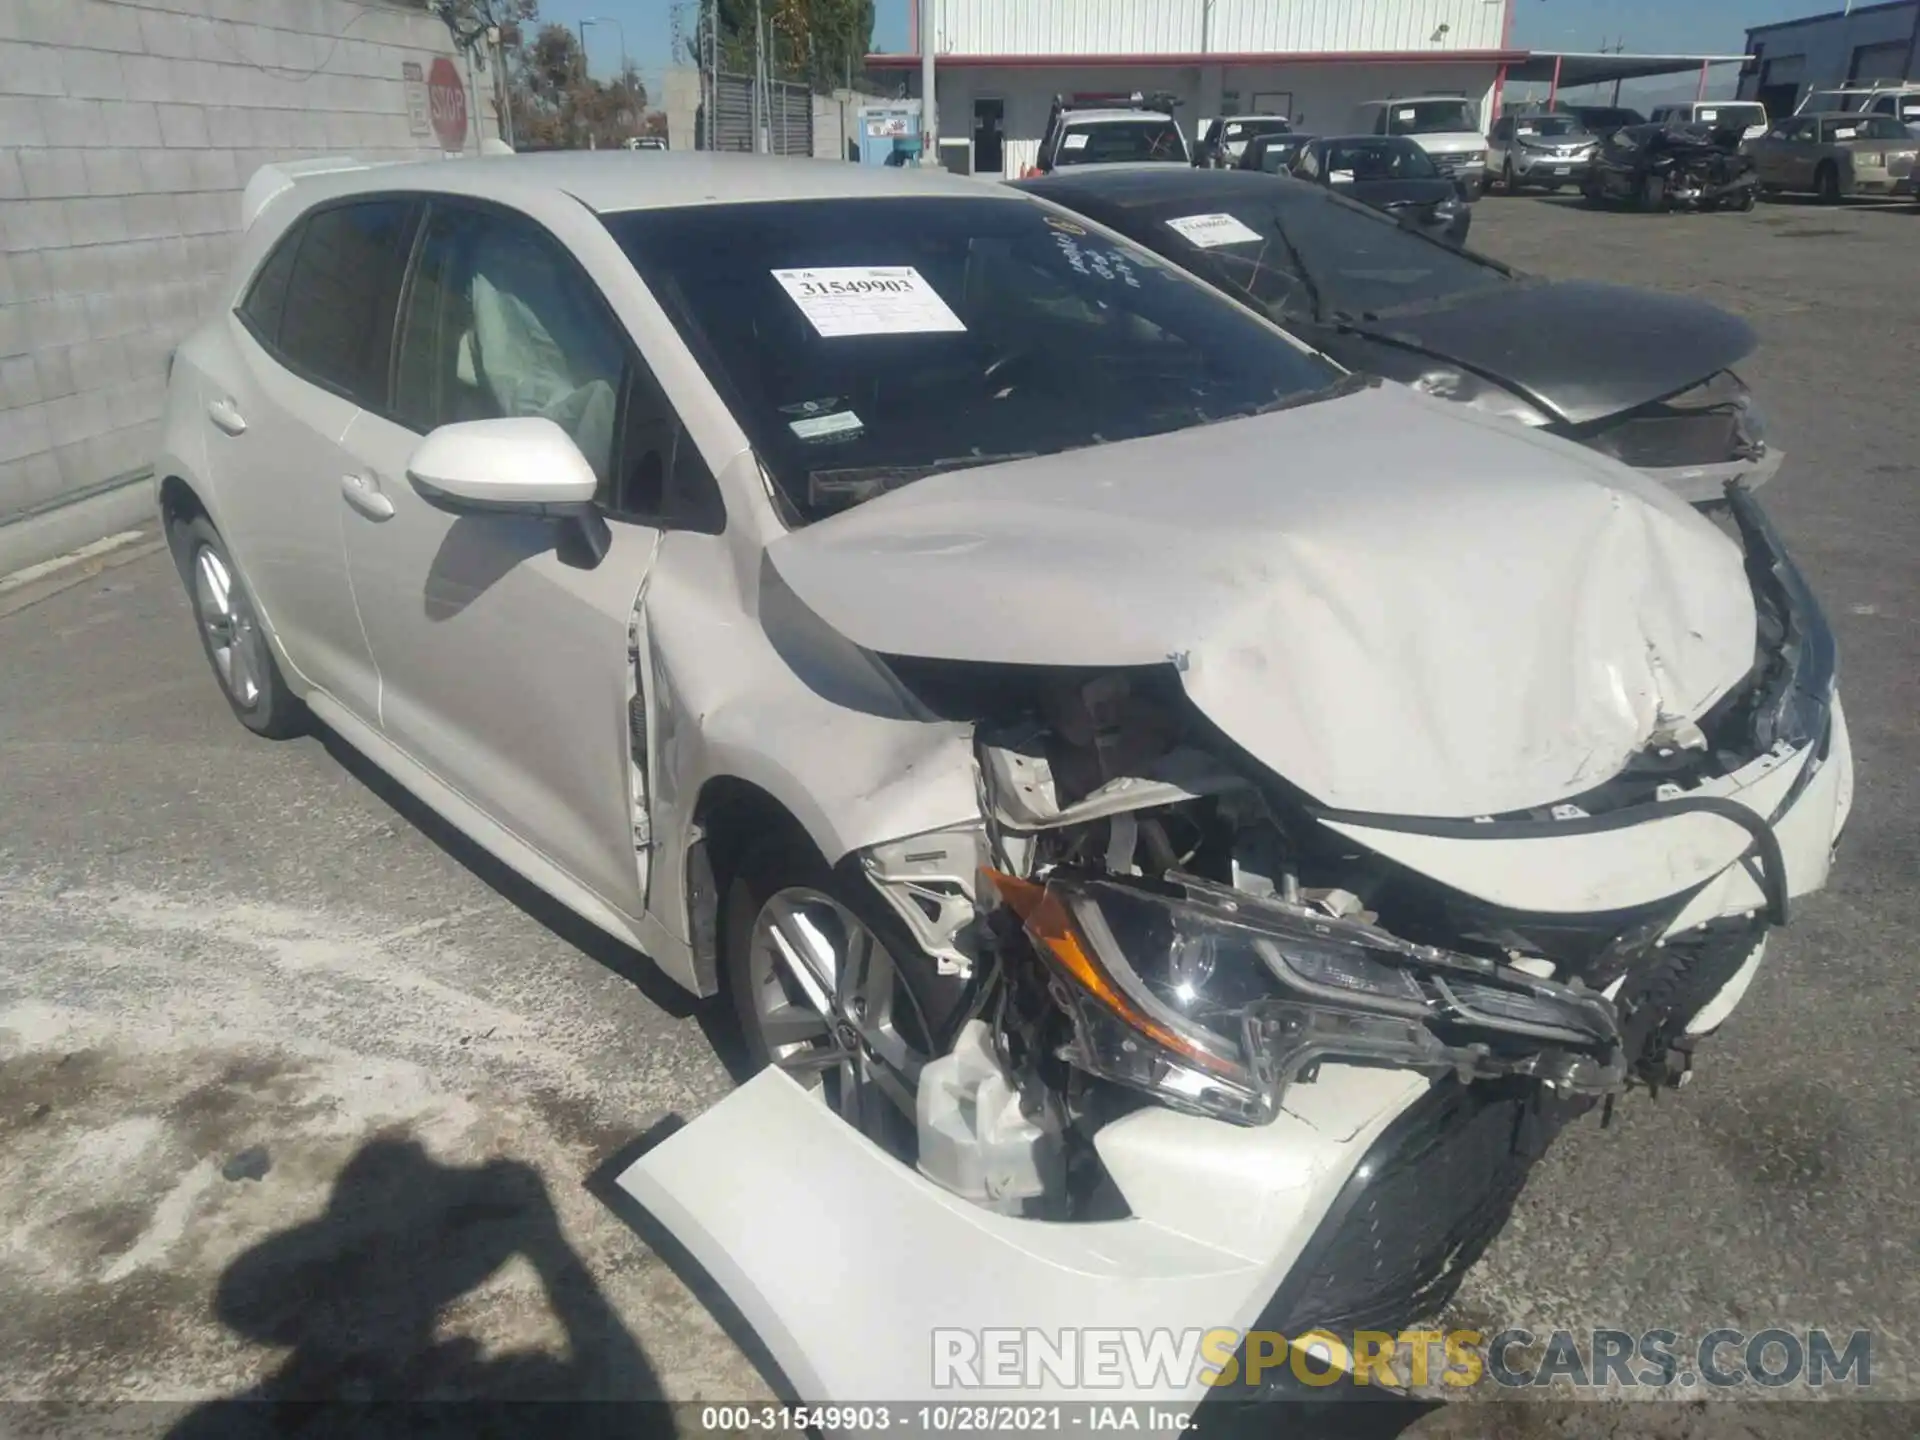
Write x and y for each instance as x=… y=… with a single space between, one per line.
x=500 y=323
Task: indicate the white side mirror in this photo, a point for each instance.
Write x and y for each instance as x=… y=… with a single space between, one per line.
x=523 y=464
x=520 y=466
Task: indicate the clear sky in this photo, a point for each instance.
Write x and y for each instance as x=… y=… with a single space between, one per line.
x=1665 y=26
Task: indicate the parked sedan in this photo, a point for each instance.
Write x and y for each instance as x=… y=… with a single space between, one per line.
x=1393 y=175
x=1273 y=154
x=1837 y=155
x=1107 y=752
x=1640 y=376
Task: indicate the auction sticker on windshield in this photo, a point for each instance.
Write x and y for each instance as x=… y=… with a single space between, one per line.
x=868 y=300
x=1207 y=231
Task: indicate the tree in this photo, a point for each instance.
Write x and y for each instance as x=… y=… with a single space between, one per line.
x=819 y=42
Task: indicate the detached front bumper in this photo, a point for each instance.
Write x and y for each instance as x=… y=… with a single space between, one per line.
x=868 y=1282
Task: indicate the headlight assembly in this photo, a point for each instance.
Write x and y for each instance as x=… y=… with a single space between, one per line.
x=1216 y=1001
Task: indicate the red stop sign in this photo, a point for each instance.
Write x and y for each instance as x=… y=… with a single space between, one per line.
x=447 y=103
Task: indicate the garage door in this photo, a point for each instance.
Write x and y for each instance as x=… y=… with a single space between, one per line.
x=1879 y=62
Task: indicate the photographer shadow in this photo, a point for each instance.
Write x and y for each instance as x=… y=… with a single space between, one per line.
x=360 y=1295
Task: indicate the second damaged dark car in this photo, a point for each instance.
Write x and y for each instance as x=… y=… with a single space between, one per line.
x=1673 y=167
x=1643 y=377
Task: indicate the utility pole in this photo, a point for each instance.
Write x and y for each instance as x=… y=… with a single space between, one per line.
x=929 y=97
x=1619 y=46
x=759 y=79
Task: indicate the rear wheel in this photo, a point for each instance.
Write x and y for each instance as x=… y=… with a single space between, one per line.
x=231 y=634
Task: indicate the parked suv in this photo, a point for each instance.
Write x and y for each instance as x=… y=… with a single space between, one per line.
x=1545 y=150
x=1141 y=130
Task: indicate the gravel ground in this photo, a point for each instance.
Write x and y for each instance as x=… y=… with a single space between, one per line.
x=300 y=1094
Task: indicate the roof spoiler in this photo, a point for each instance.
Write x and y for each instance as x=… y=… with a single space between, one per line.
x=269 y=181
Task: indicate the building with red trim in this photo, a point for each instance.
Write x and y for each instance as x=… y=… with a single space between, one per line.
x=1000 y=63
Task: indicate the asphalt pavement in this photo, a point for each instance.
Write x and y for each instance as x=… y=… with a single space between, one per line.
x=300 y=1093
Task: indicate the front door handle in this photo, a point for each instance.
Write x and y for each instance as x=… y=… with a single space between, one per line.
x=362 y=496
x=227 y=417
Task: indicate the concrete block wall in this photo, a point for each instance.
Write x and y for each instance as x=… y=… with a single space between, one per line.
x=128 y=129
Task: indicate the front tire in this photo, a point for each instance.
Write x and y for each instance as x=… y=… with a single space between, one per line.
x=826 y=984
x=231 y=635
x=1507 y=180
x=1826 y=183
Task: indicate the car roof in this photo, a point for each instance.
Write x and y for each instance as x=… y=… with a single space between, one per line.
x=608 y=181
x=1413 y=100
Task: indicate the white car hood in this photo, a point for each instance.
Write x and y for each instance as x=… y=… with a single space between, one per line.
x=1398 y=606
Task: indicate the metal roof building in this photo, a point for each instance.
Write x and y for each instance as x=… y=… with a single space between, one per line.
x=999 y=63
x=1840 y=48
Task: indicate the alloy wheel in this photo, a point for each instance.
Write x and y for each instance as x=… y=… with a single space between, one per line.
x=227 y=620
x=831 y=1009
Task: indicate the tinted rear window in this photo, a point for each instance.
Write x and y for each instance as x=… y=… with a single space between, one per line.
x=337 y=327
x=1379 y=160
x=934 y=333
x=267 y=296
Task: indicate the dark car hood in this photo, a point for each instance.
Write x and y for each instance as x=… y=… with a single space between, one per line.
x=1382 y=193
x=1583 y=350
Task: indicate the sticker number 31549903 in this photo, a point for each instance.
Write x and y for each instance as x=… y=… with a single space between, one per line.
x=867 y=300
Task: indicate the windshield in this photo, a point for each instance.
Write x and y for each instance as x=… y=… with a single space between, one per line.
x=1238 y=132
x=1602 y=118
x=1307 y=254
x=1378 y=160
x=864 y=343
x=1724 y=115
x=1278 y=152
x=1431 y=117
x=1863 y=127
x=1121 y=142
x=1551 y=127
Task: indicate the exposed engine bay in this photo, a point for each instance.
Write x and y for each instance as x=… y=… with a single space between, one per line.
x=1147 y=915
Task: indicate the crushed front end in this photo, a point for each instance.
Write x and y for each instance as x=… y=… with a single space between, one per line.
x=1224 y=1056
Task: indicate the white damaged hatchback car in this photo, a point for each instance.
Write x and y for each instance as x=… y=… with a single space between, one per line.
x=1205 y=819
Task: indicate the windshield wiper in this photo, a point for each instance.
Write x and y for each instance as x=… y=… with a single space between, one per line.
x=1300 y=268
x=856 y=484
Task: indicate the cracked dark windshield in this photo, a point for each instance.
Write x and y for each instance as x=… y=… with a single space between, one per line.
x=866 y=343
x=1308 y=255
